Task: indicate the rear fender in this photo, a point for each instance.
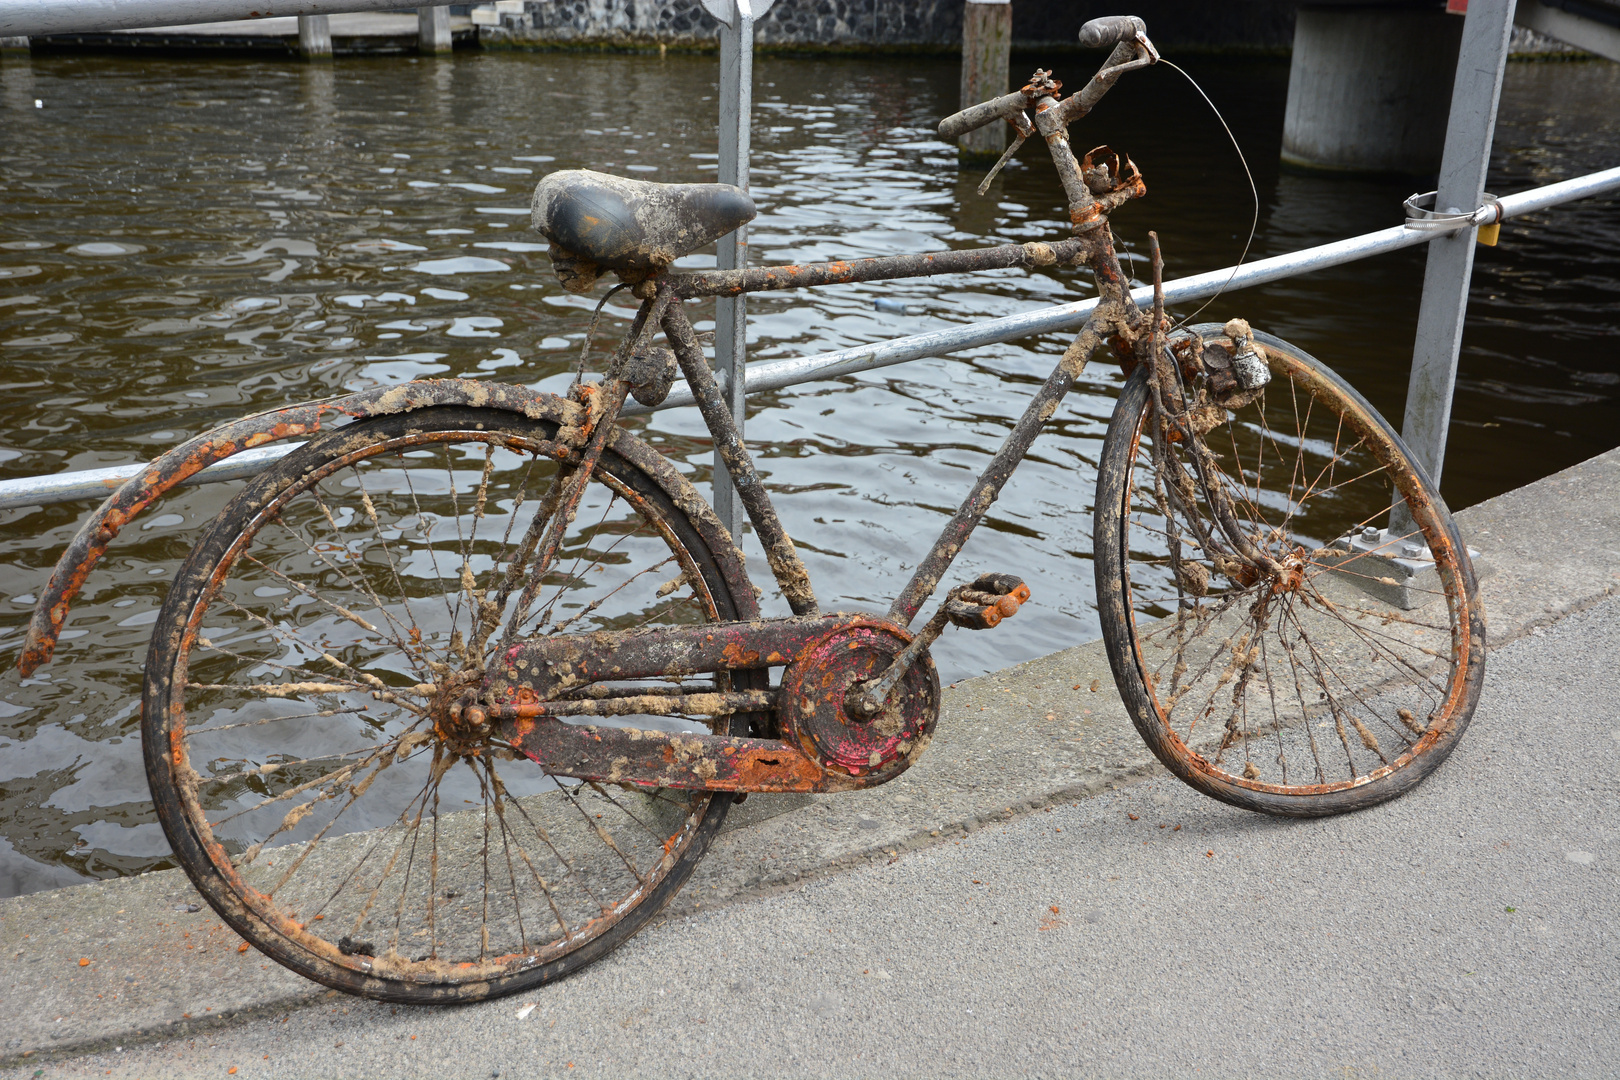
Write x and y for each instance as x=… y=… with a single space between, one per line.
x=191 y=457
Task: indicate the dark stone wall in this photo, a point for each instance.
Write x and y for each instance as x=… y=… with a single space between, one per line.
x=884 y=24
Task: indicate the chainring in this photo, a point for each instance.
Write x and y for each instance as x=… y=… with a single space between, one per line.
x=812 y=707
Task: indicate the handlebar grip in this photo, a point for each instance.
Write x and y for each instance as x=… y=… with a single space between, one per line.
x=1111 y=30
x=986 y=112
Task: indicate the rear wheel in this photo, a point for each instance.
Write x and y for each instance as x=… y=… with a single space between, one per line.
x=303 y=754
x=1285 y=688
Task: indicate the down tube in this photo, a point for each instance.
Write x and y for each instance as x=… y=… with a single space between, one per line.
x=995 y=476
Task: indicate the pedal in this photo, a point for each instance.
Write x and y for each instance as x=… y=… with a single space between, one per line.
x=983 y=604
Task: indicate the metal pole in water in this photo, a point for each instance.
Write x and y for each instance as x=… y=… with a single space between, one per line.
x=433 y=30
x=986 y=52
x=730 y=316
x=314 y=37
x=1474 y=97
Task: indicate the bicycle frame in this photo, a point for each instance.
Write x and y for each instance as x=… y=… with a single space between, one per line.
x=1117 y=321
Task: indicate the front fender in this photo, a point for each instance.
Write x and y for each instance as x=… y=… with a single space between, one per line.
x=191 y=457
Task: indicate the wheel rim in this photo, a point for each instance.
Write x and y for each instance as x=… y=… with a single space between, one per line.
x=316 y=758
x=1295 y=683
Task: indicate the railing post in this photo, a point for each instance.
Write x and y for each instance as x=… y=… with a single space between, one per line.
x=314 y=37
x=730 y=314
x=433 y=30
x=1474 y=97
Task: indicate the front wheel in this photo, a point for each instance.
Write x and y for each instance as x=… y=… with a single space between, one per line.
x=1292 y=691
x=306 y=752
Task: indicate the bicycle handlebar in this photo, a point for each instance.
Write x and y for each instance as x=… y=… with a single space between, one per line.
x=986 y=112
x=1111 y=30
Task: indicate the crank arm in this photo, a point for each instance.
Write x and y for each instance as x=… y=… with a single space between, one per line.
x=662 y=759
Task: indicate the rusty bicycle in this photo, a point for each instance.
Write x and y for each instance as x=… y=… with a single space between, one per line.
x=451 y=699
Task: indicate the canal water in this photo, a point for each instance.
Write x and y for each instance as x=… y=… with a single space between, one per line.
x=186 y=241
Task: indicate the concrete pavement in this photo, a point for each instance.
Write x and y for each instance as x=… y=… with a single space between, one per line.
x=1466 y=930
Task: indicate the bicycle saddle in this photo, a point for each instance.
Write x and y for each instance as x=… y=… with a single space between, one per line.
x=633 y=225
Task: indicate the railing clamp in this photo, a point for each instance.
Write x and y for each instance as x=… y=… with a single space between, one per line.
x=1420 y=214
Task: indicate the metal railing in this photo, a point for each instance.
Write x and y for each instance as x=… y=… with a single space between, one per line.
x=776 y=374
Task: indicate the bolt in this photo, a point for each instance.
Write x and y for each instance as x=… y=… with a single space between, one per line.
x=1369 y=534
x=856 y=705
x=1411 y=551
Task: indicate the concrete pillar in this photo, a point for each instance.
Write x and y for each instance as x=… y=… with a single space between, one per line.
x=433 y=30
x=1370 y=87
x=314 y=37
x=986 y=46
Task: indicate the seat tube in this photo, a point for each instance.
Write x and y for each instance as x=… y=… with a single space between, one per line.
x=780 y=554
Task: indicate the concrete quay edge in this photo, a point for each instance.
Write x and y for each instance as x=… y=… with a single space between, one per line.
x=1008 y=743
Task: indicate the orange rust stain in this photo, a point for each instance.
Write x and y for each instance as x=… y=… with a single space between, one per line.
x=737 y=655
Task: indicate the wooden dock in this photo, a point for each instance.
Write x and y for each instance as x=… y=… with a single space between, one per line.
x=363 y=34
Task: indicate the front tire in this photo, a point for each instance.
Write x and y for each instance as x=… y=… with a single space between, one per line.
x=1298 y=695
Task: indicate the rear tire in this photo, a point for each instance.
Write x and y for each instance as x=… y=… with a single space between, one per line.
x=298 y=740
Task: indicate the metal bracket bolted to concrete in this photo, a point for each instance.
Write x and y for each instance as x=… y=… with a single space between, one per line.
x=1395 y=569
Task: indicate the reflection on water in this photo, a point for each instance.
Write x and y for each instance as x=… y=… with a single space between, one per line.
x=187 y=241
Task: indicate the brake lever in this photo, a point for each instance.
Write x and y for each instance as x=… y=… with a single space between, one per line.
x=1025 y=129
x=1146 y=56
